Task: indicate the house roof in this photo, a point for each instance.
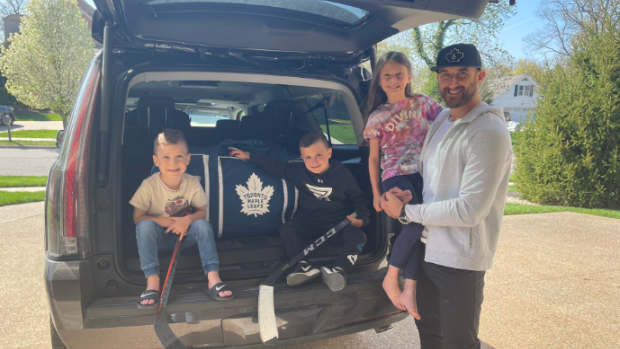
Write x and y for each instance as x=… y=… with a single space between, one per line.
x=12 y=17
x=502 y=84
x=85 y=8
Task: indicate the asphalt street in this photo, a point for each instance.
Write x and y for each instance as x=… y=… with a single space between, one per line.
x=27 y=161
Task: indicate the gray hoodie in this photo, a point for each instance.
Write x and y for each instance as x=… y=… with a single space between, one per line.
x=474 y=169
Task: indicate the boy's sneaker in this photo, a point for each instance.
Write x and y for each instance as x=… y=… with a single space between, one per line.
x=334 y=278
x=303 y=273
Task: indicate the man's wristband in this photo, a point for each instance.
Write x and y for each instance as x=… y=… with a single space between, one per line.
x=403 y=216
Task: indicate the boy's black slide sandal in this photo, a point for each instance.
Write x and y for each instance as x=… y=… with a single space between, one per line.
x=148 y=294
x=214 y=292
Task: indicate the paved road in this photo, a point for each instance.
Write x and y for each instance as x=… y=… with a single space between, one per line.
x=33 y=125
x=26 y=162
x=555 y=284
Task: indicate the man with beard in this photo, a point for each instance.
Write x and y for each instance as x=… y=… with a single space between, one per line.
x=465 y=163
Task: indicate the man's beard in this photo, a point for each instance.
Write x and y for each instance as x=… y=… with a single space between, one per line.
x=469 y=92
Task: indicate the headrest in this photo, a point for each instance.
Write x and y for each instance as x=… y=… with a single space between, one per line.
x=227 y=125
x=155 y=113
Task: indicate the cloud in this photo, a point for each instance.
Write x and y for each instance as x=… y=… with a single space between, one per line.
x=518 y=24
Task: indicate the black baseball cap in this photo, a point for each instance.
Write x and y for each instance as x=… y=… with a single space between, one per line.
x=459 y=55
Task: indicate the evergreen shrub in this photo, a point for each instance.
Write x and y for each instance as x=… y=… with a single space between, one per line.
x=569 y=150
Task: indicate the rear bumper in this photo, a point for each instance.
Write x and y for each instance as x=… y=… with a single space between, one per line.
x=304 y=314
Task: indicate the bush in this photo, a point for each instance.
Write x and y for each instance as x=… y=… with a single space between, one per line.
x=6 y=99
x=569 y=153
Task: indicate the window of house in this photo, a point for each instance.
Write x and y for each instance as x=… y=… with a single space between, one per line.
x=341 y=129
x=526 y=90
x=520 y=90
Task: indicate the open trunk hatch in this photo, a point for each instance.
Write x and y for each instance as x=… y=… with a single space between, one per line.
x=337 y=27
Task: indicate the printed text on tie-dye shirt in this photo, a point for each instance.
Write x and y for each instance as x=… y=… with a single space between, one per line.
x=400 y=129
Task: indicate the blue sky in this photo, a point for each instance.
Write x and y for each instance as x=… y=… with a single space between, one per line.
x=518 y=27
x=515 y=29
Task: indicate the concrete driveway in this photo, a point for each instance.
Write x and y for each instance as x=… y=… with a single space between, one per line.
x=23 y=161
x=555 y=284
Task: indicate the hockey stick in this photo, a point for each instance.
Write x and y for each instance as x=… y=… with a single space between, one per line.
x=266 y=307
x=165 y=335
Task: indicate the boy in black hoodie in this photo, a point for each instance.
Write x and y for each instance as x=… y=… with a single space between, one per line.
x=328 y=193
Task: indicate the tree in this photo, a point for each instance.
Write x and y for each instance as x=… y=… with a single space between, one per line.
x=569 y=153
x=44 y=64
x=531 y=68
x=10 y=7
x=566 y=18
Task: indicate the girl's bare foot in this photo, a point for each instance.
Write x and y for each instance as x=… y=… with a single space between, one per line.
x=392 y=288
x=214 y=279
x=152 y=283
x=408 y=300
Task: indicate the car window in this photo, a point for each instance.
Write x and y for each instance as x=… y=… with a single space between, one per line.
x=326 y=9
x=341 y=129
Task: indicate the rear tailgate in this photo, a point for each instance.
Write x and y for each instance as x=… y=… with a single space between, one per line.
x=310 y=26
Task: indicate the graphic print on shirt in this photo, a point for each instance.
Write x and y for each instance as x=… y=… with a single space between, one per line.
x=177 y=207
x=321 y=193
x=400 y=129
x=254 y=198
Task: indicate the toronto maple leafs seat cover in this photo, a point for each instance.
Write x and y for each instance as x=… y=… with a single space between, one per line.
x=243 y=200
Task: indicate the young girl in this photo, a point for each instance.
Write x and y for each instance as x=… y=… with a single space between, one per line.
x=396 y=124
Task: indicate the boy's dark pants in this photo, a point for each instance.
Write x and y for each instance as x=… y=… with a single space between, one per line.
x=407 y=249
x=449 y=302
x=352 y=239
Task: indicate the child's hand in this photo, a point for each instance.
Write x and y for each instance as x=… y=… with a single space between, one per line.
x=240 y=154
x=180 y=225
x=355 y=222
x=165 y=222
x=376 y=202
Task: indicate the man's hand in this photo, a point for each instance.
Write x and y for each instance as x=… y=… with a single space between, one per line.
x=355 y=222
x=240 y=154
x=403 y=195
x=391 y=204
x=180 y=225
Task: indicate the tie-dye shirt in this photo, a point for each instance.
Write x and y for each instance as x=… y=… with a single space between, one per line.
x=400 y=128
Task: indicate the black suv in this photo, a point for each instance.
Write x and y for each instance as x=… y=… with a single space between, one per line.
x=215 y=69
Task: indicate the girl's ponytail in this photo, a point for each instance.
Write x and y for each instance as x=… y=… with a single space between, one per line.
x=376 y=96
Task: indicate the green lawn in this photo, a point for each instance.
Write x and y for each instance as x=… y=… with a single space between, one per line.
x=31 y=134
x=28 y=143
x=343 y=133
x=38 y=117
x=527 y=209
x=13 y=198
x=512 y=188
x=22 y=181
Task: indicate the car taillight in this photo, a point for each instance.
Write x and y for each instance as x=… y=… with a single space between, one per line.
x=67 y=203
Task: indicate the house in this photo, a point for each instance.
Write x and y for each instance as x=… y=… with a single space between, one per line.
x=517 y=96
x=11 y=22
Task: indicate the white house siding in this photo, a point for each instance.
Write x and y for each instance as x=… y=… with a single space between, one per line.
x=518 y=106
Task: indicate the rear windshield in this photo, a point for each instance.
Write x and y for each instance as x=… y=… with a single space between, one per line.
x=335 y=11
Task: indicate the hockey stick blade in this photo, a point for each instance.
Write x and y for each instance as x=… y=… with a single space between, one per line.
x=266 y=306
x=166 y=337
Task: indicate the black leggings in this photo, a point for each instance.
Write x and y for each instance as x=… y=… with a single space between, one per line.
x=407 y=252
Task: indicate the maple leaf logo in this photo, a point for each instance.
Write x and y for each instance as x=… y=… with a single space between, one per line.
x=455 y=56
x=254 y=198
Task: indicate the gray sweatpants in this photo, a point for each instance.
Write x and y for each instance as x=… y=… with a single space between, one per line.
x=449 y=303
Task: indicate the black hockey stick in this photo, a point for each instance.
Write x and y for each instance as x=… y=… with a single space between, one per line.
x=167 y=338
x=266 y=307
